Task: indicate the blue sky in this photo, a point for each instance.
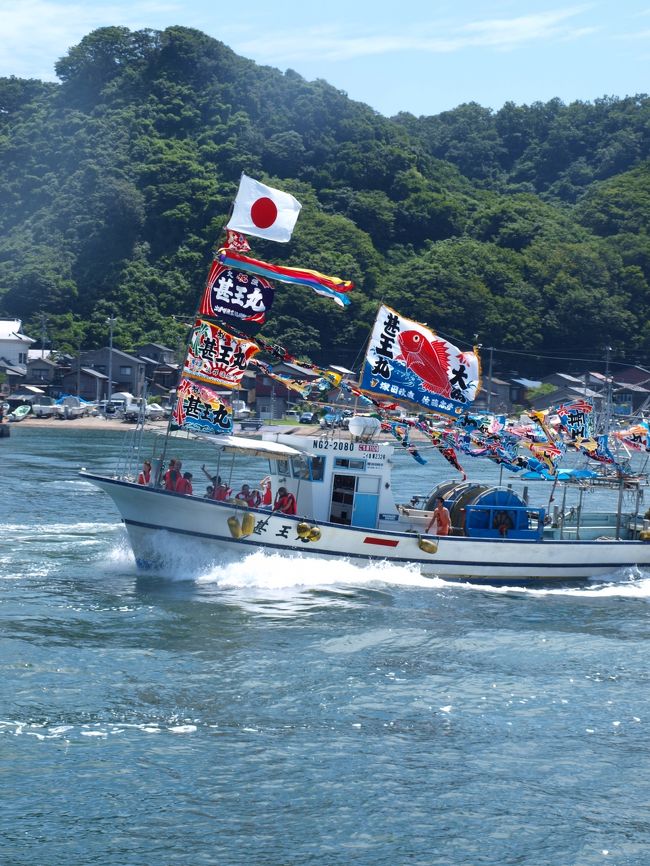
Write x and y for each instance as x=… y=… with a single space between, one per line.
x=422 y=56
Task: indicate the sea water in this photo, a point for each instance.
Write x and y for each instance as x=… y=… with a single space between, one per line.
x=283 y=712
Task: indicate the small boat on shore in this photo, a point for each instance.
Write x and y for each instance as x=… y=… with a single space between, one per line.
x=19 y=413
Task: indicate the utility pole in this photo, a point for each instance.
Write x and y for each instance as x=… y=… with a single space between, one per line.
x=79 y=366
x=489 y=388
x=110 y=322
x=608 y=405
x=43 y=333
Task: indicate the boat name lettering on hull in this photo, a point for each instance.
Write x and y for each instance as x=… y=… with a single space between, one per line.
x=333 y=445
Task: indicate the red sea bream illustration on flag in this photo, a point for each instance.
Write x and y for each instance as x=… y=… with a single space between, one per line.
x=407 y=361
x=229 y=292
x=217 y=357
x=200 y=409
x=263 y=211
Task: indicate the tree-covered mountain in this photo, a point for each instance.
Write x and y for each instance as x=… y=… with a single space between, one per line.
x=526 y=226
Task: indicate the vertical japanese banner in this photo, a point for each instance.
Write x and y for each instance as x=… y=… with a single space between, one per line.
x=229 y=292
x=201 y=409
x=216 y=357
x=577 y=419
x=406 y=361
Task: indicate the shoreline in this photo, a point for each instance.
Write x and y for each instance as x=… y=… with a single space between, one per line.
x=99 y=422
x=89 y=423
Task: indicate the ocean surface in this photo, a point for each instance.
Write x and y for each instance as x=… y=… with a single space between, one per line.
x=279 y=712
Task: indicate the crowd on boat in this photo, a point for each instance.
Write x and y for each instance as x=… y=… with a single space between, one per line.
x=175 y=480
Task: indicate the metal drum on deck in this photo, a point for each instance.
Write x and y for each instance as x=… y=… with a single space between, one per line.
x=457 y=494
x=493 y=503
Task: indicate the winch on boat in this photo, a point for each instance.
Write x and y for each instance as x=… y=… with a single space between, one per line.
x=481 y=511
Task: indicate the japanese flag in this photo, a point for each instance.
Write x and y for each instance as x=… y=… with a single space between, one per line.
x=264 y=212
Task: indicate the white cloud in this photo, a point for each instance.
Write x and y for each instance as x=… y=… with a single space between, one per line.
x=430 y=38
x=36 y=33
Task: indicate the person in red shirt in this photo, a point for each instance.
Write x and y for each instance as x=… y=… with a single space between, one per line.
x=267 y=496
x=250 y=497
x=221 y=491
x=184 y=484
x=173 y=474
x=285 y=502
x=145 y=475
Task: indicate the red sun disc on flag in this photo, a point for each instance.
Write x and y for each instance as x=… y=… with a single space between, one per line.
x=264 y=213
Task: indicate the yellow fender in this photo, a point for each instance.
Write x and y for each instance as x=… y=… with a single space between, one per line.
x=427 y=546
x=247 y=523
x=308 y=532
x=234 y=527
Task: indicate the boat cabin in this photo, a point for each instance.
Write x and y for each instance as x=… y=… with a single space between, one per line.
x=338 y=480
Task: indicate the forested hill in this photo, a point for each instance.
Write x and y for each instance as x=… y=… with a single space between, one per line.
x=526 y=226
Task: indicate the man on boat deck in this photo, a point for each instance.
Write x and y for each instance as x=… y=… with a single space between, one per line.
x=173 y=474
x=285 y=502
x=220 y=490
x=440 y=523
x=267 y=496
x=184 y=484
x=251 y=497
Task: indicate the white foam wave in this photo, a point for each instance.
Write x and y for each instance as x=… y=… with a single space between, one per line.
x=59 y=529
x=628 y=584
x=277 y=571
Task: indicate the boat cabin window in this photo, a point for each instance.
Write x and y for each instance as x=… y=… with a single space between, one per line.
x=282 y=467
x=347 y=463
x=308 y=468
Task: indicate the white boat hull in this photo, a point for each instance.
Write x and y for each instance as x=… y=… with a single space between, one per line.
x=171 y=529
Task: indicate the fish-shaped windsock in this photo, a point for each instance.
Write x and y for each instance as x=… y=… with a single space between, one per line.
x=428 y=359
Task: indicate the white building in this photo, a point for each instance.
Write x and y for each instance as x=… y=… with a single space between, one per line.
x=14 y=346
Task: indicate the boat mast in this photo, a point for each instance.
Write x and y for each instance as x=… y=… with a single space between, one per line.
x=187 y=348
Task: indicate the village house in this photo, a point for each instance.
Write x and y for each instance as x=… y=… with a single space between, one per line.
x=161 y=369
x=14 y=346
x=126 y=372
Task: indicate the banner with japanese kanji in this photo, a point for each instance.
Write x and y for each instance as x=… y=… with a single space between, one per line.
x=577 y=419
x=200 y=409
x=406 y=361
x=216 y=357
x=229 y=292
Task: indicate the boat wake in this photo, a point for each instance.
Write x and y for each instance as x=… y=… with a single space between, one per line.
x=278 y=571
x=281 y=577
x=629 y=583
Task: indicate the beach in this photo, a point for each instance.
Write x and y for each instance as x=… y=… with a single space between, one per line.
x=91 y=422
x=100 y=423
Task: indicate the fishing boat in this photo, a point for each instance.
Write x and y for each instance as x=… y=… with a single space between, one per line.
x=346 y=510
x=70 y=406
x=331 y=491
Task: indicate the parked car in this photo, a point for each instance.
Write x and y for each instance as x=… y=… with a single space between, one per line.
x=154 y=412
x=309 y=418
